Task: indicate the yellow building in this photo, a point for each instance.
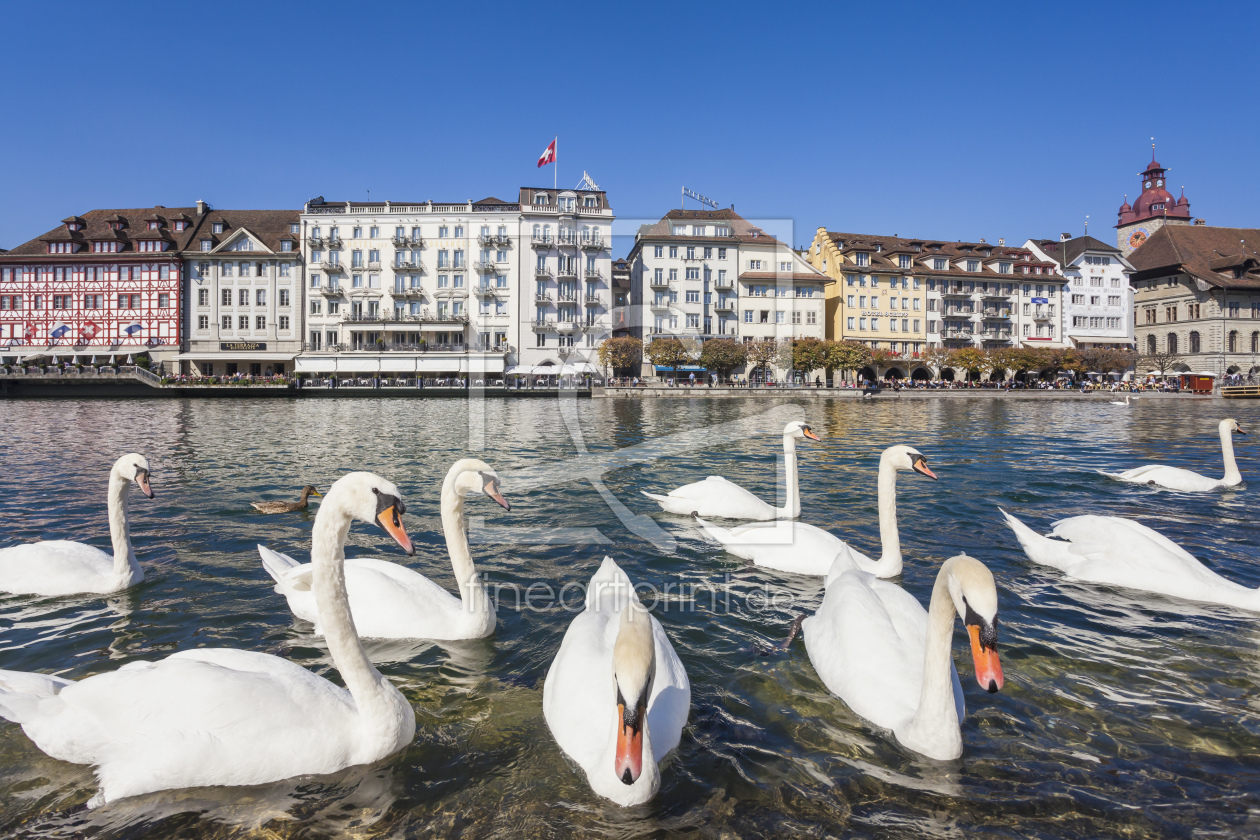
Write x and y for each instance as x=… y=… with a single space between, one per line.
x=878 y=298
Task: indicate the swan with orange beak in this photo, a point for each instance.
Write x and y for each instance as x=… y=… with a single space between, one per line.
x=876 y=648
x=617 y=729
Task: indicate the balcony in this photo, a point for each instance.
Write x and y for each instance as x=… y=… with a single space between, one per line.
x=724 y=284
x=659 y=284
x=995 y=294
x=542 y=273
x=955 y=291
x=400 y=241
x=949 y=332
x=485 y=240
x=990 y=314
x=592 y=243
x=333 y=241
x=592 y=274
x=315 y=241
x=567 y=297
x=330 y=289
x=567 y=271
x=592 y=300
x=724 y=306
x=542 y=242
x=405 y=265
x=543 y=326
x=566 y=240
x=485 y=266
x=661 y=303
x=542 y=297
x=408 y=292
x=1040 y=315
x=328 y=268
x=958 y=313
x=485 y=290
x=374 y=265
x=503 y=239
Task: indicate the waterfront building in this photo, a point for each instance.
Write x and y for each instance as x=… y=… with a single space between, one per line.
x=568 y=264
x=245 y=293
x=904 y=295
x=621 y=295
x=702 y=274
x=1155 y=208
x=1197 y=297
x=1097 y=308
x=105 y=284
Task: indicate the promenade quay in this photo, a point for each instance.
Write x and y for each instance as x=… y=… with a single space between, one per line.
x=703 y=392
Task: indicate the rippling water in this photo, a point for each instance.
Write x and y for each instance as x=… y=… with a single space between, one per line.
x=1123 y=714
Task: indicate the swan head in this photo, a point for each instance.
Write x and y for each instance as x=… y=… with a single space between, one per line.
x=799 y=430
x=907 y=458
x=634 y=669
x=367 y=497
x=471 y=475
x=974 y=594
x=135 y=467
x=1231 y=425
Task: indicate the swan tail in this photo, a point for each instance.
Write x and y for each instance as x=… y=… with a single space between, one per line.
x=611 y=580
x=653 y=496
x=21 y=693
x=276 y=564
x=722 y=535
x=1027 y=536
x=842 y=563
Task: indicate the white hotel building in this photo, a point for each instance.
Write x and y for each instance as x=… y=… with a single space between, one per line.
x=471 y=288
x=1098 y=301
x=705 y=274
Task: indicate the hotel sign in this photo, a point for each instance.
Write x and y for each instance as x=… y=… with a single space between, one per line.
x=1040 y=300
x=242 y=346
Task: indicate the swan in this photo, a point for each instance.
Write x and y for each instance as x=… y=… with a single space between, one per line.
x=1126 y=400
x=715 y=496
x=287 y=507
x=389 y=601
x=220 y=716
x=1175 y=478
x=1121 y=552
x=616 y=696
x=62 y=567
x=888 y=659
x=805 y=549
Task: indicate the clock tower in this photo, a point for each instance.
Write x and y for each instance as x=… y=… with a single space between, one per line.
x=1154 y=208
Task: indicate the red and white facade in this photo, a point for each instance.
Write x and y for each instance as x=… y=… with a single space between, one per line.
x=107 y=283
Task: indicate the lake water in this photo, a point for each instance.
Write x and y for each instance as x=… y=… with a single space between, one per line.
x=1123 y=714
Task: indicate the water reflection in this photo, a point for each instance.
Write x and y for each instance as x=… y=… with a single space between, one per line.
x=1123 y=713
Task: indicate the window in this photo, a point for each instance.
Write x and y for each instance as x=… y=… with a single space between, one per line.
x=693 y=274
x=243 y=322
x=164 y=300
x=244 y=297
x=973 y=265
x=284 y=297
x=260 y=322
x=903 y=261
x=938 y=264
x=315 y=307
x=673 y=252
x=658 y=251
x=693 y=297
x=260 y=297
x=850 y=323
x=1233 y=341
x=874 y=323
x=1172 y=343
x=1113 y=300
x=284 y=322
x=459 y=231
x=225 y=269
x=861 y=258
x=206 y=244
x=203 y=322
x=691 y=252
x=748 y=316
x=218 y=228
x=226 y=322
x=861 y=323
x=374 y=232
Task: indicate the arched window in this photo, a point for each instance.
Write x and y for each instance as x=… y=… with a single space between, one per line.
x=1255 y=342
x=1172 y=342
x=1194 y=342
x=1150 y=345
x=1233 y=341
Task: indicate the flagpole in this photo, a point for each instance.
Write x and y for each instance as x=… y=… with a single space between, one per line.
x=555 y=170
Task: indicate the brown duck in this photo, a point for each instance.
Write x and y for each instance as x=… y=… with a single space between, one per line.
x=286 y=507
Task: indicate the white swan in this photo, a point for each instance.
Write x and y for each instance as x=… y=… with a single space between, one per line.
x=805 y=549
x=617 y=697
x=1175 y=478
x=1121 y=552
x=1126 y=400
x=715 y=496
x=878 y=650
x=389 y=601
x=219 y=716
x=62 y=567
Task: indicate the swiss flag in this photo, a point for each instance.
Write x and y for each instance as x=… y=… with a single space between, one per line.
x=89 y=330
x=549 y=155
x=29 y=333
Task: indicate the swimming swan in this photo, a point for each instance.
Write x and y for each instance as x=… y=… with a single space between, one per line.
x=805 y=549
x=389 y=601
x=888 y=659
x=715 y=496
x=616 y=696
x=220 y=716
x=1175 y=478
x=62 y=567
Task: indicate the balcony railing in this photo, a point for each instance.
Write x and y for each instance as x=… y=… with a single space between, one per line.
x=408 y=291
x=330 y=289
x=315 y=241
x=423 y=317
x=661 y=303
x=405 y=265
x=955 y=291
x=592 y=300
x=539 y=271
x=724 y=306
x=542 y=297
x=400 y=241
x=566 y=239
x=485 y=266
x=333 y=241
x=543 y=326
x=593 y=243
x=723 y=284
x=485 y=239
x=374 y=265
x=502 y=239
x=329 y=268
x=659 y=284
x=567 y=297
x=485 y=290
x=542 y=241
x=997 y=313
x=592 y=274
x=566 y=271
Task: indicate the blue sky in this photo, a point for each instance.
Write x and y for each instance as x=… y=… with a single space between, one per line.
x=943 y=120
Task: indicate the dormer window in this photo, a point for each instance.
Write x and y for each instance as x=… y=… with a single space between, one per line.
x=218 y=227
x=862 y=258
x=61 y=247
x=180 y=225
x=286 y=245
x=293 y=228
x=590 y=201
x=1004 y=268
x=154 y=225
x=115 y=225
x=206 y=244
x=903 y=261
x=151 y=245
x=721 y=231
x=540 y=198
x=973 y=265
x=105 y=247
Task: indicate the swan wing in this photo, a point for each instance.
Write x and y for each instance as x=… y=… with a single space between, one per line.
x=785 y=545
x=56 y=567
x=715 y=496
x=1173 y=478
x=200 y=717
x=867 y=643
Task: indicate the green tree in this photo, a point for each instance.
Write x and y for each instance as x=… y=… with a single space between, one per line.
x=761 y=353
x=973 y=360
x=621 y=354
x=722 y=355
x=809 y=355
x=847 y=356
x=668 y=352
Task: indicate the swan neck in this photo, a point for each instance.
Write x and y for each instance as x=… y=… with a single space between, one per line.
x=125 y=565
x=472 y=591
x=936 y=710
x=1227 y=451
x=368 y=688
x=792 y=487
x=889 y=538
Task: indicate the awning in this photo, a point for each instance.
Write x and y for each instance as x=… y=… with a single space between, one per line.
x=406 y=364
x=453 y=326
x=580 y=368
x=681 y=368
x=315 y=365
x=1204 y=373
x=481 y=364
x=437 y=365
x=352 y=365
x=229 y=357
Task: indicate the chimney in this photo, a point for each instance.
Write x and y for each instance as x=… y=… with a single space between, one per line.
x=1001 y=241
x=982 y=239
x=1064 y=237
x=1200 y=221
x=201 y=207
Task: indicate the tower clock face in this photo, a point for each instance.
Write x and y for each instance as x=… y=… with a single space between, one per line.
x=1137 y=237
x=1160 y=182
x=1147 y=185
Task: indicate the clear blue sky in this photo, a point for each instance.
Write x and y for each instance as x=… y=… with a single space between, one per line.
x=954 y=121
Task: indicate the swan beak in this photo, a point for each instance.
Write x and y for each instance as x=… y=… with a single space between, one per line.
x=809 y=433
x=629 y=763
x=1238 y=430
x=920 y=466
x=142 y=481
x=988 y=666
x=493 y=492
x=393 y=526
